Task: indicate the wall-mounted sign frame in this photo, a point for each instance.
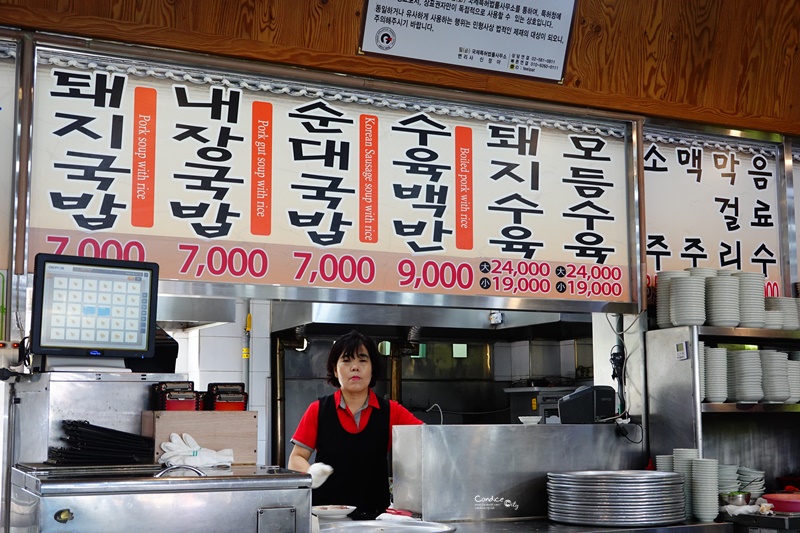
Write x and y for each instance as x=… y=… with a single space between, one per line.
x=793 y=200
x=521 y=37
x=245 y=182
x=9 y=48
x=721 y=203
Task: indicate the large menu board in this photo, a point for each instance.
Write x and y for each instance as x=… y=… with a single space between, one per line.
x=711 y=202
x=244 y=179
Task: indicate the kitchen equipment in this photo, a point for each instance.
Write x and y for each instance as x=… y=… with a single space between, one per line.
x=225 y=397
x=262 y=499
x=87 y=444
x=175 y=396
x=226 y=402
x=752 y=523
x=535 y=401
x=43 y=401
x=178 y=401
x=495 y=472
x=587 y=405
x=734 y=498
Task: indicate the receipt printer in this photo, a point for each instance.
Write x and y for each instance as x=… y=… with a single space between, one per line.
x=587 y=405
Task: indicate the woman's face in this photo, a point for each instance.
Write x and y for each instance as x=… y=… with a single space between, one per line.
x=354 y=371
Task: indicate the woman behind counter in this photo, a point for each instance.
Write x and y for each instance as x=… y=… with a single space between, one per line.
x=350 y=430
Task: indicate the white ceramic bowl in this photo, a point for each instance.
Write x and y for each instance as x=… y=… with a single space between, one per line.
x=530 y=419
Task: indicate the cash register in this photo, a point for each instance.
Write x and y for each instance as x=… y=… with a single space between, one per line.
x=587 y=405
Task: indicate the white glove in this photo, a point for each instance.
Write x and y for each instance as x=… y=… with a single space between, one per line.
x=205 y=457
x=186 y=451
x=177 y=447
x=319 y=473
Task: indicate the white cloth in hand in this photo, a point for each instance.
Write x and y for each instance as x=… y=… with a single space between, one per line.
x=319 y=473
x=185 y=451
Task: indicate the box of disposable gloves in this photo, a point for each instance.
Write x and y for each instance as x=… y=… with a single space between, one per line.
x=215 y=431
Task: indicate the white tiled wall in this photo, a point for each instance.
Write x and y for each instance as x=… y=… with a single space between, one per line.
x=522 y=360
x=512 y=361
x=213 y=354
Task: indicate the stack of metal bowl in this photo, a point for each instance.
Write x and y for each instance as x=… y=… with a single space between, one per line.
x=616 y=497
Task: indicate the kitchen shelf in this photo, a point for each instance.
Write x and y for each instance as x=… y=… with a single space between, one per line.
x=758 y=434
x=750 y=408
x=748 y=335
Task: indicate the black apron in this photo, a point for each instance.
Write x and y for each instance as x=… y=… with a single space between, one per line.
x=360 y=466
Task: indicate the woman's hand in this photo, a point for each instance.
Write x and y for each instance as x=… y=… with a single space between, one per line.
x=319 y=473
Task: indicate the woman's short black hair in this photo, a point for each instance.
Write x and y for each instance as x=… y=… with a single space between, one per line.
x=349 y=344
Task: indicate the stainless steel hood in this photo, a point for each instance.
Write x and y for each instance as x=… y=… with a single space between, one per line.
x=184 y=312
x=433 y=323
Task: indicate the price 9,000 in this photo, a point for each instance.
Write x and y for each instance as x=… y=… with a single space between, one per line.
x=432 y=274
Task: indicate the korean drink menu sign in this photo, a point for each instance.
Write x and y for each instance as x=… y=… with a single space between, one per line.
x=264 y=183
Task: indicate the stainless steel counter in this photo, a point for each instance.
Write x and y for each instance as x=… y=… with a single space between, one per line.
x=497 y=472
x=545 y=526
x=58 y=499
x=518 y=526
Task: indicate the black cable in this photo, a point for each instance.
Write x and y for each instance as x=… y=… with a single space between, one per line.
x=5 y=374
x=619 y=362
x=23 y=352
x=641 y=435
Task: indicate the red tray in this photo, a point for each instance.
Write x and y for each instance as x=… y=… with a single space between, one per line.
x=784 y=503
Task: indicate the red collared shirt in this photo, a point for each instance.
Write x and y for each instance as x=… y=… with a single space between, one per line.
x=306 y=433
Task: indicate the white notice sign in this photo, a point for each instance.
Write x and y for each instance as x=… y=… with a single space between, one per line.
x=526 y=37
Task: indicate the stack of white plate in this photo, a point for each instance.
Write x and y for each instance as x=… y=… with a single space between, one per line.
x=751 y=299
x=664 y=463
x=616 y=498
x=773 y=319
x=687 y=301
x=731 y=375
x=787 y=307
x=751 y=481
x=722 y=301
x=726 y=272
x=775 y=376
x=716 y=374
x=705 y=489
x=703 y=272
x=797 y=300
x=748 y=376
x=682 y=464
x=701 y=360
x=728 y=478
x=662 y=295
x=794 y=381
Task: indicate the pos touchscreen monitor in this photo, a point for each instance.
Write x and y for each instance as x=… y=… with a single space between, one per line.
x=93 y=308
